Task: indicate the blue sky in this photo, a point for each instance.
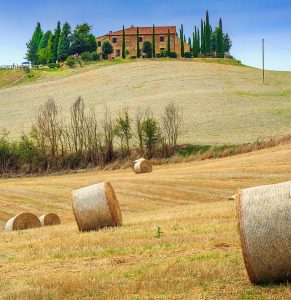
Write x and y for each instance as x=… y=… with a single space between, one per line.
x=247 y=22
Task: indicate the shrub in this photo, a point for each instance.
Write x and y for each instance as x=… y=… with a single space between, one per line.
x=54 y=65
x=71 y=61
x=164 y=53
x=95 y=56
x=107 y=49
x=173 y=55
x=187 y=55
x=147 y=49
x=86 y=56
x=133 y=57
x=158 y=55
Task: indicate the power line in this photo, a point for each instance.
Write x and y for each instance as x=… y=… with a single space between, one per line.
x=245 y=41
x=277 y=47
x=240 y=39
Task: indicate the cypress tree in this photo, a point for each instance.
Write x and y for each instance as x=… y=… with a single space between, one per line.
x=182 y=41
x=154 y=42
x=213 y=40
x=55 y=42
x=195 y=43
x=137 y=43
x=220 y=40
x=207 y=35
x=32 y=45
x=227 y=43
x=31 y=53
x=123 y=43
x=190 y=46
x=44 y=40
x=44 y=53
x=169 y=43
x=37 y=35
x=65 y=42
x=49 y=50
x=198 y=41
x=202 y=37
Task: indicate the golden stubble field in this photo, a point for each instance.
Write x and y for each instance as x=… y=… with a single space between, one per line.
x=222 y=103
x=197 y=255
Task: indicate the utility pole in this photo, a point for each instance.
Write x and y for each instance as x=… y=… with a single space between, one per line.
x=263 y=50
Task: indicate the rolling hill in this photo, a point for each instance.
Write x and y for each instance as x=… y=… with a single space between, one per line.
x=222 y=103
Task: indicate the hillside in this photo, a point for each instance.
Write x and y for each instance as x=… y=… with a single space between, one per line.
x=222 y=103
x=198 y=255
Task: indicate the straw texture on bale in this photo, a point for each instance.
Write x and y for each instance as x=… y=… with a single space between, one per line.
x=265 y=230
x=142 y=166
x=96 y=207
x=49 y=219
x=23 y=221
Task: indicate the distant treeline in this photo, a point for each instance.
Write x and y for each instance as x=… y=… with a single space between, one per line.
x=209 y=41
x=52 y=47
x=85 y=140
x=47 y=47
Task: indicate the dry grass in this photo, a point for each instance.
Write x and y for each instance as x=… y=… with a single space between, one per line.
x=197 y=256
x=8 y=77
x=222 y=103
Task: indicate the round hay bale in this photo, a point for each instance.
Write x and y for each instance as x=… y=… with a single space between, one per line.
x=49 y=219
x=96 y=207
x=142 y=166
x=23 y=221
x=265 y=230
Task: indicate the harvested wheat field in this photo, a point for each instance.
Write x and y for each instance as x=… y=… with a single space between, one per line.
x=179 y=239
x=222 y=103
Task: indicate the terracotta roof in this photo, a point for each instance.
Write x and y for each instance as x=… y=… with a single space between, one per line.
x=144 y=30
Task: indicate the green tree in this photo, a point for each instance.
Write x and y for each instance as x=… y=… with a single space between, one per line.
x=123 y=43
x=107 y=49
x=190 y=45
x=213 y=40
x=147 y=49
x=182 y=41
x=123 y=130
x=44 y=53
x=195 y=43
x=220 y=40
x=227 y=43
x=44 y=40
x=198 y=41
x=37 y=34
x=207 y=35
x=151 y=134
x=32 y=45
x=55 y=42
x=65 y=42
x=137 y=43
x=83 y=40
x=154 y=42
x=202 y=38
x=31 y=53
x=169 y=43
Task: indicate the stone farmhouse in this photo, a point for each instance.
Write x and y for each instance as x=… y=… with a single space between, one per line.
x=145 y=34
